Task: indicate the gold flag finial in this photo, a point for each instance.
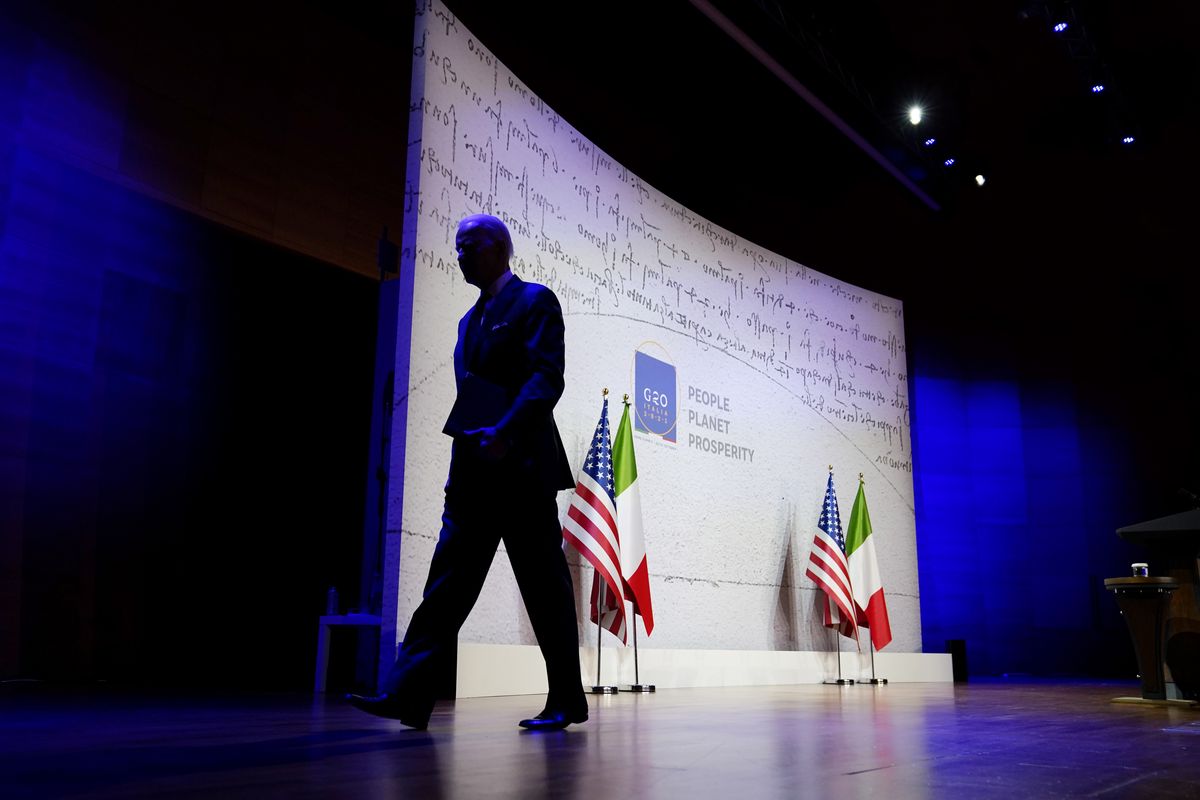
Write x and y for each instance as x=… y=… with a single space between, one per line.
x=627 y=398
x=860 y=478
x=606 y=391
x=831 y=467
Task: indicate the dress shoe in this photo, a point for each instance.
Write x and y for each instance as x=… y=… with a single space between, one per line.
x=553 y=720
x=389 y=707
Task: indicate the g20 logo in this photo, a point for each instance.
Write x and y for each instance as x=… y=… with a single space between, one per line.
x=655 y=392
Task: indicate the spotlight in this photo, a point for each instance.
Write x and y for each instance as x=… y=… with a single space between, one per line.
x=1098 y=88
x=930 y=142
x=1060 y=27
x=980 y=180
x=1127 y=140
x=949 y=162
x=914 y=115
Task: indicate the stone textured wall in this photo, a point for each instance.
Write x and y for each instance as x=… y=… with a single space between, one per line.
x=781 y=371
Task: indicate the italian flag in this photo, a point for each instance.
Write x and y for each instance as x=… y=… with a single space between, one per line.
x=864 y=573
x=629 y=523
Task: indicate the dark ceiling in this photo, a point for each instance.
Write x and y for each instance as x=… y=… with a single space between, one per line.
x=999 y=84
x=666 y=92
x=670 y=94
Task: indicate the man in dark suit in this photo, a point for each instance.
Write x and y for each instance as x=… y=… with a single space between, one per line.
x=507 y=464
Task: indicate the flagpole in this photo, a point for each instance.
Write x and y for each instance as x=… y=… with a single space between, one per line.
x=597 y=543
x=637 y=685
x=837 y=638
x=840 y=680
x=600 y=688
x=636 y=676
x=597 y=651
x=874 y=681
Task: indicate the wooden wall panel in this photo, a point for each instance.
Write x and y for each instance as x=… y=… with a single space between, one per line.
x=291 y=128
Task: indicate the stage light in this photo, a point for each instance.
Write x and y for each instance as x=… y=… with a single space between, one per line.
x=1060 y=27
x=930 y=142
x=1127 y=140
x=914 y=115
x=949 y=162
x=980 y=180
x=1098 y=88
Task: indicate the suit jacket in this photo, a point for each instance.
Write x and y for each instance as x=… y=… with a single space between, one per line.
x=519 y=348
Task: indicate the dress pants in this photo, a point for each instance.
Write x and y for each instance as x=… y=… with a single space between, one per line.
x=473 y=524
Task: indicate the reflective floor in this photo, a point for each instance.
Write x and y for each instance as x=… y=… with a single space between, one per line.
x=981 y=740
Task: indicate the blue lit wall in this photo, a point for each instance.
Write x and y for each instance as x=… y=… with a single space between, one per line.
x=105 y=364
x=184 y=414
x=1018 y=497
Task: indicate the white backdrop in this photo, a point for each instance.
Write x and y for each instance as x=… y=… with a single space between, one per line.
x=801 y=371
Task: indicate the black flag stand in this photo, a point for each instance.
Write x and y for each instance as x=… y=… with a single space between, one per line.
x=637 y=685
x=600 y=688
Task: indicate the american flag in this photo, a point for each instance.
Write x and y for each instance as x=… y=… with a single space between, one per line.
x=827 y=567
x=591 y=528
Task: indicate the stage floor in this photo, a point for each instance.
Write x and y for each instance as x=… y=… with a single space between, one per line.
x=980 y=740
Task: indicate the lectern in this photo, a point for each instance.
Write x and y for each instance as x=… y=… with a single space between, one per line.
x=1173 y=551
x=1144 y=603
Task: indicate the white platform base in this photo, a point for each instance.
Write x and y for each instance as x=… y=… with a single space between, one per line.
x=488 y=670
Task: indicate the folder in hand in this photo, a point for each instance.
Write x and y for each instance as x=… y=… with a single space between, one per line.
x=480 y=404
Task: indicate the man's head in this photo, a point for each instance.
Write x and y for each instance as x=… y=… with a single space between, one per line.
x=484 y=247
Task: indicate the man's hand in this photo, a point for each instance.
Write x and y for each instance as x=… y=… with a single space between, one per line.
x=491 y=442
